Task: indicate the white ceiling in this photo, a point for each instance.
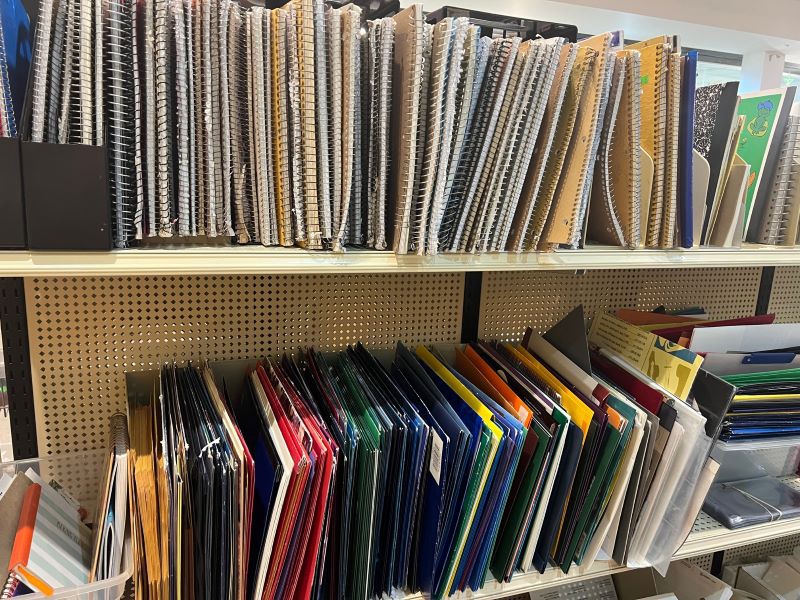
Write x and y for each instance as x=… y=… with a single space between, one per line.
x=735 y=26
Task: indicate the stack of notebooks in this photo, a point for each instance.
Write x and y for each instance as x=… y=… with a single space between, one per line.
x=301 y=125
x=44 y=541
x=746 y=166
x=353 y=474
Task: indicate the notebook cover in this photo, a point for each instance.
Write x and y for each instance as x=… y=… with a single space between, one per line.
x=685 y=172
x=529 y=200
x=715 y=109
x=766 y=114
x=568 y=202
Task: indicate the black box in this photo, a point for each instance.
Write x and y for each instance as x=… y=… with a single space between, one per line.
x=12 y=205
x=67 y=199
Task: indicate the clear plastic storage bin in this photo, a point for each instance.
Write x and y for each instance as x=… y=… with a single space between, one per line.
x=746 y=460
x=80 y=475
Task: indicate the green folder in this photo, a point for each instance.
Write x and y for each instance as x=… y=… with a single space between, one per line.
x=512 y=530
x=599 y=481
x=629 y=414
x=763 y=377
x=368 y=467
x=471 y=499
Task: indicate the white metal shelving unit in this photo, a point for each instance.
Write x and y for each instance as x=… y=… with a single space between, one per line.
x=93 y=316
x=259 y=260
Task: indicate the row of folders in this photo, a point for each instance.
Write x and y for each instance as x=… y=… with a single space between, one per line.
x=306 y=125
x=359 y=473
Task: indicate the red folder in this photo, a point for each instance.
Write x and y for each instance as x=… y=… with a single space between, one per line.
x=298 y=481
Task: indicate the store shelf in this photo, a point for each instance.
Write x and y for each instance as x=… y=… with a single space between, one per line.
x=251 y=259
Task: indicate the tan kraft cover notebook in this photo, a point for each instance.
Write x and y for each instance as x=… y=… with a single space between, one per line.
x=529 y=201
x=654 y=77
x=575 y=176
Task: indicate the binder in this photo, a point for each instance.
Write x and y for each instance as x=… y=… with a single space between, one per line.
x=571 y=197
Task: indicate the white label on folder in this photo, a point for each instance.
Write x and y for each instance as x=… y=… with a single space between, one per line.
x=436 y=457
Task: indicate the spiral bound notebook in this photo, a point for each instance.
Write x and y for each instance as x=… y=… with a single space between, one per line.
x=569 y=200
x=407 y=74
x=493 y=186
x=438 y=118
x=562 y=185
x=546 y=64
x=420 y=173
x=119 y=102
x=504 y=55
x=654 y=108
x=381 y=43
x=766 y=114
x=305 y=27
x=525 y=229
x=604 y=224
x=775 y=224
x=670 y=208
x=280 y=127
x=520 y=132
x=351 y=46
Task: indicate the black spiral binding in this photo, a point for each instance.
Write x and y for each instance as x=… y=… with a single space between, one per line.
x=119 y=102
x=524 y=220
x=465 y=153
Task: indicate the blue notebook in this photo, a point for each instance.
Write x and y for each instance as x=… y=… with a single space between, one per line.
x=685 y=146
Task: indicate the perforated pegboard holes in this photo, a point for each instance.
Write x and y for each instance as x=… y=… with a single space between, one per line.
x=513 y=301
x=784 y=298
x=87 y=331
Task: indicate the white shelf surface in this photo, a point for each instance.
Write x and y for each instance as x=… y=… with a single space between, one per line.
x=259 y=260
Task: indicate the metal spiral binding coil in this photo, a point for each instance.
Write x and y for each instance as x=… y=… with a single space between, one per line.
x=524 y=221
x=8 y=124
x=470 y=216
x=461 y=166
x=555 y=160
x=667 y=239
x=659 y=149
x=322 y=131
x=775 y=225
x=120 y=103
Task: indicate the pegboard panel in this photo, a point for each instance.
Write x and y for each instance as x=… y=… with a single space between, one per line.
x=85 y=332
x=513 y=301
x=784 y=298
x=703 y=561
x=757 y=552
